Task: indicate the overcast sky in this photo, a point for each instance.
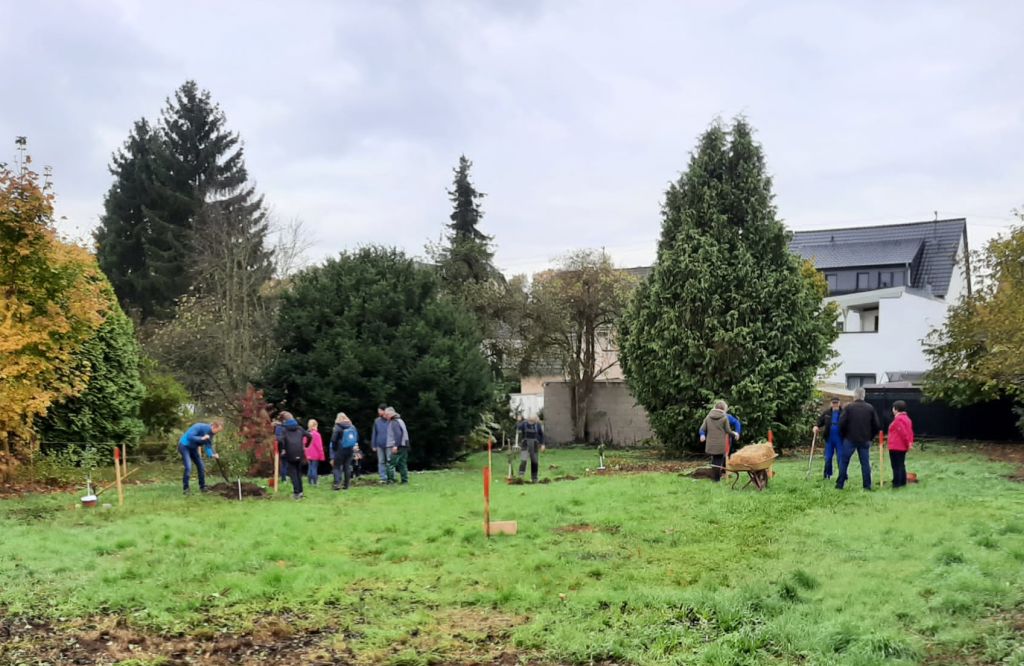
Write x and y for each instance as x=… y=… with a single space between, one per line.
x=576 y=113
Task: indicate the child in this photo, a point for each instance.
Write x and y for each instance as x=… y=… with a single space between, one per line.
x=314 y=452
x=901 y=439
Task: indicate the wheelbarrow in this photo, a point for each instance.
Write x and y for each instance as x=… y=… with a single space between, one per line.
x=757 y=473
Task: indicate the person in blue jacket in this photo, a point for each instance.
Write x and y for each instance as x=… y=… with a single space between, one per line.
x=736 y=426
x=344 y=442
x=829 y=422
x=199 y=434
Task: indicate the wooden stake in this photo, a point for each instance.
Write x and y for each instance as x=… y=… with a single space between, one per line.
x=124 y=459
x=490 y=441
x=881 y=459
x=771 y=468
x=117 y=476
x=277 y=468
x=113 y=483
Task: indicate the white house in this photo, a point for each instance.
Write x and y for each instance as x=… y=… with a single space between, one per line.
x=893 y=284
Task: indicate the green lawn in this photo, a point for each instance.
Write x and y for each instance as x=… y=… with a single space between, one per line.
x=628 y=568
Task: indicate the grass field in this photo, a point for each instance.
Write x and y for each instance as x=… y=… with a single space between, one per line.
x=628 y=568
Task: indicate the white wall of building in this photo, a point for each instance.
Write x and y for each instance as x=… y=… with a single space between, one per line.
x=902 y=323
x=958 y=280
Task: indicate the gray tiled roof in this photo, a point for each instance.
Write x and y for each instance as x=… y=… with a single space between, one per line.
x=941 y=240
x=871 y=253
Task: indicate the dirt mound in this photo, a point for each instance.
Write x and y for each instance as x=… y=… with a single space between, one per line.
x=701 y=473
x=230 y=490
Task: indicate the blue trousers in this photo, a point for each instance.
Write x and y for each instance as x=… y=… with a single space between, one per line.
x=863 y=450
x=190 y=456
x=383 y=460
x=833 y=446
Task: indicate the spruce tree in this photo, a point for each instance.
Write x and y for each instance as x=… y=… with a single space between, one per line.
x=468 y=257
x=728 y=312
x=173 y=185
x=121 y=238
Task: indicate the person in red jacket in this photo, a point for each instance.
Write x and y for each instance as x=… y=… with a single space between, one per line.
x=901 y=439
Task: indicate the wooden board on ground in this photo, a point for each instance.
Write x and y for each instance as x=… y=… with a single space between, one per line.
x=510 y=527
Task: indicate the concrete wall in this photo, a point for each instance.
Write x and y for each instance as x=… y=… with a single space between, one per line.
x=614 y=415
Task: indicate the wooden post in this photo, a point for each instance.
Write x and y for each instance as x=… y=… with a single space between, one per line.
x=771 y=440
x=490 y=443
x=277 y=468
x=117 y=476
x=881 y=459
x=124 y=458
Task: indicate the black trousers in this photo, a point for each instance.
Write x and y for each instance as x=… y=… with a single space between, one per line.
x=719 y=466
x=343 y=467
x=898 y=460
x=295 y=473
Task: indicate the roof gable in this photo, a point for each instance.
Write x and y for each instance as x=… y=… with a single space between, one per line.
x=886 y=245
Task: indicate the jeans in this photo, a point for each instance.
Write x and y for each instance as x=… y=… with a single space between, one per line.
x=284 y=468
x=190 y=456
x=295 y=472
x=898 y=460
x=531 y=452
x=343 y=467
x=863 y=450
x=400 y=462
x=833 y=447
x=314 y=471
x=384 y=463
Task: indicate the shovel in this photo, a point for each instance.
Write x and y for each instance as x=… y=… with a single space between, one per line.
x=809 y=459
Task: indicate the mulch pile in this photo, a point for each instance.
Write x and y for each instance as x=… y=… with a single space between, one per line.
x=230 y=490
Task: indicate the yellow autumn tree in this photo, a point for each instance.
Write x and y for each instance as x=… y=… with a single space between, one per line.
x=52 y=303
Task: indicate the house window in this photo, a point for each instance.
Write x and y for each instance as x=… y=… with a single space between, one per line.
x=863 y=280
x=833 y=281
x=886 y=279
x=857 y=381
x=840 y=326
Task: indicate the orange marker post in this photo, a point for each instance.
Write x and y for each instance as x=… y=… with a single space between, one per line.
x=117 y=476
x=487 y=492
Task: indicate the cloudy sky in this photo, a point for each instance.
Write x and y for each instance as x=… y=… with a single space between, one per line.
x=576 y=113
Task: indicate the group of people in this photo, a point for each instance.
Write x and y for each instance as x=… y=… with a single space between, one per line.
x=852 y=429
x=846 y=431
x=300 y=447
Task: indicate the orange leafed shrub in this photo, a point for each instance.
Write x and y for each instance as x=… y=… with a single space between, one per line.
x=52 y=302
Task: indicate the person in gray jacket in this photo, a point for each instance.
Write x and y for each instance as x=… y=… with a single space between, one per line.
x=398 y=444
x=717 y=431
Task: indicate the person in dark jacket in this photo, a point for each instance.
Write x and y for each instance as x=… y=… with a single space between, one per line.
x=379 y=442
x=717 y=431
x=293 y=441
x=531 y=442
x=858 y=425
x=828 y=428
x=344 y=444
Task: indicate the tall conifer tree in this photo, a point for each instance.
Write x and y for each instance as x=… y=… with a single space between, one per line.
x=469 y=256
x=728 y=311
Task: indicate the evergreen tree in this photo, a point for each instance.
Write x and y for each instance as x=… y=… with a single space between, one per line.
x=173 y=185
x=121 y=238
x=107 y=411
x=468 y=256
x=728 y=311
x=371 y=327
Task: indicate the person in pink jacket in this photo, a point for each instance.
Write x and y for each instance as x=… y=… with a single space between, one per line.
x=314 y=452
x=901 y=439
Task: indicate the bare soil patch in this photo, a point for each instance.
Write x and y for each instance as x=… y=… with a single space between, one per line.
x=1007 y=453
x=584 y=528
x=641 y=465
x=230 y=490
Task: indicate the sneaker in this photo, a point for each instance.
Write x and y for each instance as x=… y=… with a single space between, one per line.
x=335 y=487
x=297 y=496
x=383 y=483
x=406 y=482
x=204 y=490
x=186 y=492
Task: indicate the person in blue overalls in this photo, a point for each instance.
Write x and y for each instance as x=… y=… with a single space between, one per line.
x=829 y=423
x=199 y=435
